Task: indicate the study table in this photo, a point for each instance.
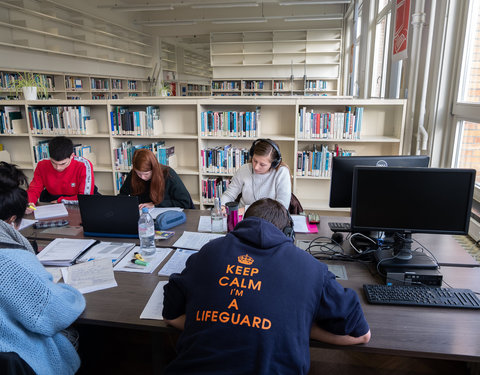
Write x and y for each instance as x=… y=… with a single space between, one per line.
x=421 y=332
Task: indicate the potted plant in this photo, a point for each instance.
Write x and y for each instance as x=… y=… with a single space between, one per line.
x=30 y=84
x=164 y=89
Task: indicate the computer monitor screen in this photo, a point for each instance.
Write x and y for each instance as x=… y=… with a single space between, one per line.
x=411 y=200
x=342 y=172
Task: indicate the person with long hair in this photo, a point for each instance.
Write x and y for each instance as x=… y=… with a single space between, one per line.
x=264 y=176
x=35 y=312
x=155 y=185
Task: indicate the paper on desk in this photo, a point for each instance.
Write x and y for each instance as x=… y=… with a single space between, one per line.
x=176 y=263
x=155 y=211
x=90 y=276
x=300 y=224
x=205 y=224
x=56 y=272
x=153 y=261
x=114 y=251
x=154 y=307
x=50 y=211
x=25 y=223
x=195 y=240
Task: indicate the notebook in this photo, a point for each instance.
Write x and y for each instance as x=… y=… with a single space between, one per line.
x=109 y=216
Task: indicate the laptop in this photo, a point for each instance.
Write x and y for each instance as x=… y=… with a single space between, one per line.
x=109 y=215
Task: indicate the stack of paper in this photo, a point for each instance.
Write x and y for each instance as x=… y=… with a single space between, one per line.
x=50 y=211
x=64 y=251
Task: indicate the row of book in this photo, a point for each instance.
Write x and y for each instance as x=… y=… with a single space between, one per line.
x=213 y=188
x=226 y=85
x=99 y=84
x=253 y=85
x=126 y=122
x=40 y=151
x=72 y=83
x=330 y=125
x=318 y=163
x=59 y=120
x=7 y=115
x=7 y=79
x=223 y=159
x=123 y=155
x=120 y=178
x=316 y=84
x=230 y=123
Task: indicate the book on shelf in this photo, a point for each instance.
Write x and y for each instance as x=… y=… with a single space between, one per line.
x=330 y=125
x=213 y=188
x=223 y=159
x=58 y=120
x=230 y=123
x=123 y=121
x=316 y=163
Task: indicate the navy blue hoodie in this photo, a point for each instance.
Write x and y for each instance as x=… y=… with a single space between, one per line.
x=250 y=299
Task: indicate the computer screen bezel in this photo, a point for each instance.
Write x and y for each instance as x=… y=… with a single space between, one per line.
x=342 y=173
x=406 y=228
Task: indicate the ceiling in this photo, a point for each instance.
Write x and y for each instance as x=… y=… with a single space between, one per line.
x=191 y=21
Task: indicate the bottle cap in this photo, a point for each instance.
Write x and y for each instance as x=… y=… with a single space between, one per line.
x=144 y=209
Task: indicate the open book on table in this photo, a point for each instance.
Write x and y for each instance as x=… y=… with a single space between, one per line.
x=64 y=251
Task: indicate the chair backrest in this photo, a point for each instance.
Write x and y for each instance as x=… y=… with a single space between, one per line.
x=12 y=364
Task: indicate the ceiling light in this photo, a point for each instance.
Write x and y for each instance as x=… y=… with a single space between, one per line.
x=167 y=23
x=224 y=5
x=137 y=8
x=240 y=20
x=318 y=2
x=314 y=18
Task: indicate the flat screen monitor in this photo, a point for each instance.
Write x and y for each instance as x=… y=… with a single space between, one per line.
x=403 y=201
x=342 y=172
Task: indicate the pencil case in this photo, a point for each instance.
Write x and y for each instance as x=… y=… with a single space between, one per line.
x=169 y=219
x=50 y=224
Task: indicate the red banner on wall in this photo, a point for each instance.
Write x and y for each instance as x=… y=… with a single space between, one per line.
x=400 y=37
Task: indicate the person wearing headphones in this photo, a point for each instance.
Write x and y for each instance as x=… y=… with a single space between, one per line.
x=245 y=308
x=264 y=176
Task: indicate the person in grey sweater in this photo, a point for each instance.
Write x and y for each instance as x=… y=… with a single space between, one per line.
x=264 y=176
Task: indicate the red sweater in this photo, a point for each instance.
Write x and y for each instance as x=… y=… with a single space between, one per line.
x=77 y=178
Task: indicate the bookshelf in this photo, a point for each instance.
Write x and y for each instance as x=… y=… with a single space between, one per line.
x=79 y=87
x=315 y=54
x=179 y=124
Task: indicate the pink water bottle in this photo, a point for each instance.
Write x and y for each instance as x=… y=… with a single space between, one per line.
x=232 y=215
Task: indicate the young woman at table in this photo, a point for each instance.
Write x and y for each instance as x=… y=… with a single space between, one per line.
x=264 y=176
x=34 y=310
x=155 y=185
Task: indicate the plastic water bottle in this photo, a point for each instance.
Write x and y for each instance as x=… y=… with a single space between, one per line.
x=217 y=217
x=146 y=233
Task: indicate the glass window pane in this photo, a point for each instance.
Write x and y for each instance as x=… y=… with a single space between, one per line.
x=471 y=68
x=381 y=5
x=469 y=155
x=378 y=58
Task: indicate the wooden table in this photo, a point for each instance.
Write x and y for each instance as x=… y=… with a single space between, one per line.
x=422 y=332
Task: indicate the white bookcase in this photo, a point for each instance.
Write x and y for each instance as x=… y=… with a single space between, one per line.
x=180 y=125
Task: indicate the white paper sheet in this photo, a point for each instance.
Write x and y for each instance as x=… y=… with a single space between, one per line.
x=49 y=211
x=153 y=261
x=114 y=251
x=176 y=263
x=300 y=224
x=154 y=307
x=205 y=224
x=195 y=240
x=90 y=276
x=155 y=211
x=25 y=223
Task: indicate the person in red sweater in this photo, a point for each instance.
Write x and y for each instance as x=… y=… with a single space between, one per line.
x=62 y=177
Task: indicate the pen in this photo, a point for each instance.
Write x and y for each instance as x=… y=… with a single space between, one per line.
x=139 y=262
x=139 y=257
x=32 y=207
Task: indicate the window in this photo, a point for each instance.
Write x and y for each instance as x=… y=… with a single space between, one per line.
x=467 y=107
x=380 y=57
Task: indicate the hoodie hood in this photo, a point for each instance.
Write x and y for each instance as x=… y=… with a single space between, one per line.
x=259 y=232
x=10 y=238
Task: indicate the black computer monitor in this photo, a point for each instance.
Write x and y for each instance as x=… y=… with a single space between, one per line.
x=403 y=201
x=342 y=172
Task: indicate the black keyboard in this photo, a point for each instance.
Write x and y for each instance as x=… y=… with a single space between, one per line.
x=339 y=227
x=421 y=296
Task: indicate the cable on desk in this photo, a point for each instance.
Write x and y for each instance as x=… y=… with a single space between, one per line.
x=360 y=235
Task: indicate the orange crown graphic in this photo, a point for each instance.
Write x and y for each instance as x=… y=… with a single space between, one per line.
x=245 y=259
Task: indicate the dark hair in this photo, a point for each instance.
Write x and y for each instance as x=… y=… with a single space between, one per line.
x=144 y=160
x=270 y=210
x=13 y=198
x=60 y=148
